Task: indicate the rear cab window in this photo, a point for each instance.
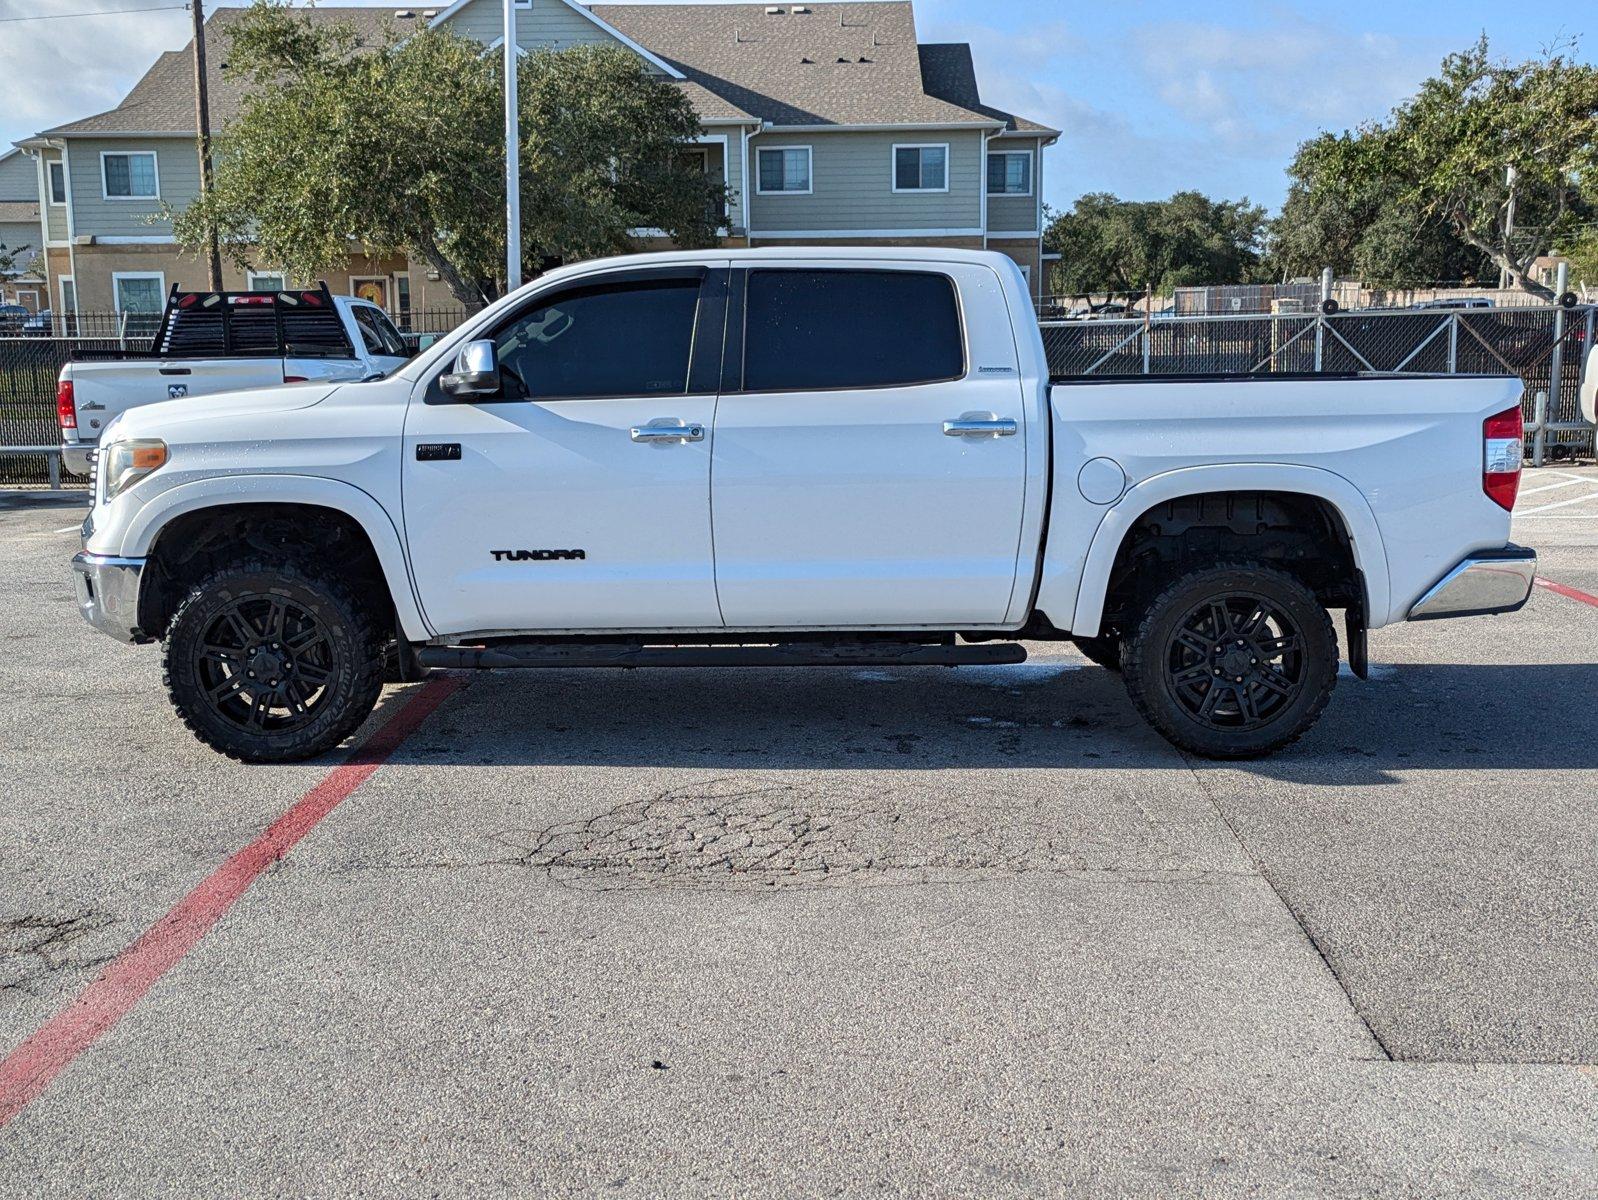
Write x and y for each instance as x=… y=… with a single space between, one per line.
x=828 y=329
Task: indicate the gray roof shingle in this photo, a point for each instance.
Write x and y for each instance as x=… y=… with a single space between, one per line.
x=837 y=64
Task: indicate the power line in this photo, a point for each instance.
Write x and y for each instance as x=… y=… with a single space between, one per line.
x=104 y=12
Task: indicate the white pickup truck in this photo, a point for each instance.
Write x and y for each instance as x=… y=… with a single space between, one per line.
x=210 y=342
x=789 y=458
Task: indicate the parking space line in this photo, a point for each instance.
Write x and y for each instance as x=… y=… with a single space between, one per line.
x=1567 y=591
x=1548 y=487
x=1593 y=495
x=29 y=1069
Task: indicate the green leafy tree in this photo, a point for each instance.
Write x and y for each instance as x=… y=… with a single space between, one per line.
x=1492 y=151
x=11 y=256
x=1360 y=224
x=397 y=148
x=1111 y=245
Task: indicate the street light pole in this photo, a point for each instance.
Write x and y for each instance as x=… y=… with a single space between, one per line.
x=513 y=171
x=202 y=124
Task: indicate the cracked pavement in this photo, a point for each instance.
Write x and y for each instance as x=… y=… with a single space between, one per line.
x=909 y=931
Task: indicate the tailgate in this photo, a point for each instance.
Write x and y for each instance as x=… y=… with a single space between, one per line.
x=103 y=390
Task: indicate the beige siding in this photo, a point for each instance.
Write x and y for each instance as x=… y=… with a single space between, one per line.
x=177 y=170
x=852 y=184
x=1014 y=214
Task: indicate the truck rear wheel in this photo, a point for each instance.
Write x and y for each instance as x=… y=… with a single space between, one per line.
x=1232 y=661
x=272 y=663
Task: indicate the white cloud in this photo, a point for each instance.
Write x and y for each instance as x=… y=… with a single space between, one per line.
x=53 y=71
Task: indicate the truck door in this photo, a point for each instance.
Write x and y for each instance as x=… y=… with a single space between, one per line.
x=579 y=498
x=871 y=447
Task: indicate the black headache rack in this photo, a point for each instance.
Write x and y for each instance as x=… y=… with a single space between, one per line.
x=294 y=323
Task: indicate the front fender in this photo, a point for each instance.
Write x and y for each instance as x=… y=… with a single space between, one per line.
x=142 y=527
x=1370 y=556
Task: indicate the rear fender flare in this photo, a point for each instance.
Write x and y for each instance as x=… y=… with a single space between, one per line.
x=1370 y=555
x=225 y=490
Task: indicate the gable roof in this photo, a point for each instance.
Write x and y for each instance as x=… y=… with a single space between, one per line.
x=587 y=13
x=801 y=64
x=851 y=63
x=163 y=100
x=948 y=73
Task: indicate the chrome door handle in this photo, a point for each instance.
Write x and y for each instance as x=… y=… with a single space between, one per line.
x=663 y=432
x=970 y=427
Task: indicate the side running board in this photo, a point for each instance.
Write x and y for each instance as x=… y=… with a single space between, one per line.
x=793 y=654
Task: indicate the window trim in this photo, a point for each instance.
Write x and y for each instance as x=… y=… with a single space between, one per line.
x=1031 y=173
x=893 y=168
x=740 y=368
x=50 y=169
x=704 y=346
x=61 y=283
x=155 y=170
x=116 y=293
x=810 y=170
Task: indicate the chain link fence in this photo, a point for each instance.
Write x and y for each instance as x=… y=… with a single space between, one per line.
x=1545 y=347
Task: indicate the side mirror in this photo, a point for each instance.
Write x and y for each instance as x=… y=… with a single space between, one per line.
x=476 y=372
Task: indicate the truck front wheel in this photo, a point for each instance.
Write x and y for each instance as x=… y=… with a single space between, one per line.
x=272 y=663
x=1232 y=661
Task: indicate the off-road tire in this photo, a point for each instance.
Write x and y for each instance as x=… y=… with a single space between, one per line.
x=1160 y=652
x=348 y=654
x=1103 y=651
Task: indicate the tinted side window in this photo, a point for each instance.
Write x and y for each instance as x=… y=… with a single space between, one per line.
x=618 y=339
x=813 y=330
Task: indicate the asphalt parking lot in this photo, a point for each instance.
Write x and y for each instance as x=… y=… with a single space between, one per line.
x=831 y=932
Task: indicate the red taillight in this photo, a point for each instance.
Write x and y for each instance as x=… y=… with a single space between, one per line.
x=66 y=408
x=1502 y=450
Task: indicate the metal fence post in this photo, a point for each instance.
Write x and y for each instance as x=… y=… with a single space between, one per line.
x=1539 y=422
x=1556 y=361
x=1453 y=343
x=54 y=467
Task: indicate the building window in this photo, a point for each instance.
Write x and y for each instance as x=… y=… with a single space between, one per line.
x=130 y=176
x=58 y=183
x=264 y=281
x=784 y=170
x=69 y=295
x=1010 y=173
x=402 y=299
x=921 y=168
x=140 y=299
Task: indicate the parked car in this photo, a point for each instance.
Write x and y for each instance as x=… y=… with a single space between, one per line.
x=212 y=342
x=791 y=457
x=38 y=324
x=12 y=317
x=1457 y=302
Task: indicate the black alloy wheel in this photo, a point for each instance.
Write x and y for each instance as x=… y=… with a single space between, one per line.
x=273 y=663
x=1232 y=661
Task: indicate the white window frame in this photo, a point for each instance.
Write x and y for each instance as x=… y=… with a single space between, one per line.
x=61 y=284
x=1031 y=172
x=118 y=276
x=155 y=169
x=388 y=289
x=251 y=275
x=50 y=168
x=893 y=168
x=810 y=171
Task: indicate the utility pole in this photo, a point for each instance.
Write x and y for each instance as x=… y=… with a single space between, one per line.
x=513 y=156
x=202 y=123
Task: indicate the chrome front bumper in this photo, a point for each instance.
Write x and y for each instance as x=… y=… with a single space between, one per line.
x=1489 y=581
x=108 y=593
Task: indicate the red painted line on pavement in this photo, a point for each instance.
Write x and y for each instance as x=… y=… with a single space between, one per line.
x=1568 y=592
x=29 y=1069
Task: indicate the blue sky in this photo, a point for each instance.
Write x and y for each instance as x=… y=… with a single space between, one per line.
x=1153 y=97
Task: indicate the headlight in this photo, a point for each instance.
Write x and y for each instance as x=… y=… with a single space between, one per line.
x=123 y=464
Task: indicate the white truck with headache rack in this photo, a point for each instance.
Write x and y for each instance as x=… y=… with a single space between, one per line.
x=791 y=458
x=211 y=342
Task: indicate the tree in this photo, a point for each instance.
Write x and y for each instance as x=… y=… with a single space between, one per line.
x=398 y=149
x=1111 y=245
x=12 y=261
x=1495 y=151
x=1360 y=225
